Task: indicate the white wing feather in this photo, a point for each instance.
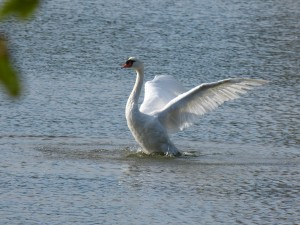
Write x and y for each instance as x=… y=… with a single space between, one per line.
x=182 y=111
x=159 y=92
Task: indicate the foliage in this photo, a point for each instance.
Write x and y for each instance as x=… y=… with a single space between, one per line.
x=8 y=75
x=22 y=9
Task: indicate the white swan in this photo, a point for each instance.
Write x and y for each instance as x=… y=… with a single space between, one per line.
x=168 y=107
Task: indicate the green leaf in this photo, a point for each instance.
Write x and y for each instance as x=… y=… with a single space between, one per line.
x=20 y=8
x=8 y=75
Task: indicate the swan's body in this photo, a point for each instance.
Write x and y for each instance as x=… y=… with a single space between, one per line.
x=168 y=107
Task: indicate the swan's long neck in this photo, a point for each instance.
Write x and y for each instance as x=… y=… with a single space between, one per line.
x=132 y=102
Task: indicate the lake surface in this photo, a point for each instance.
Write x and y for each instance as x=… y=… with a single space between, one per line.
x=67 y=156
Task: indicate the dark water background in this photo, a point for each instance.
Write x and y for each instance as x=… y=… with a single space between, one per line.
x=67 y=156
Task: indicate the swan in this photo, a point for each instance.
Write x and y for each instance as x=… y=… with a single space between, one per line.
x=169 y=108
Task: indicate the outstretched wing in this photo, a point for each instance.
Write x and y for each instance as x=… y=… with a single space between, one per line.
x=182 y=111
x=159 y=92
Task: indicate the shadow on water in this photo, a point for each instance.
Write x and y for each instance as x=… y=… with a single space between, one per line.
x=208 y=154
x=125 y=153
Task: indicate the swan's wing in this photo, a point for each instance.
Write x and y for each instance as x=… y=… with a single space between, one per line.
x=158 y=92
x=181 y=112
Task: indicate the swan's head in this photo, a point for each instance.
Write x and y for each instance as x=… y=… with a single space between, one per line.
x=133 y=63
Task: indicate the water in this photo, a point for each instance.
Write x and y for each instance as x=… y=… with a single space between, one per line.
x=67 y=156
